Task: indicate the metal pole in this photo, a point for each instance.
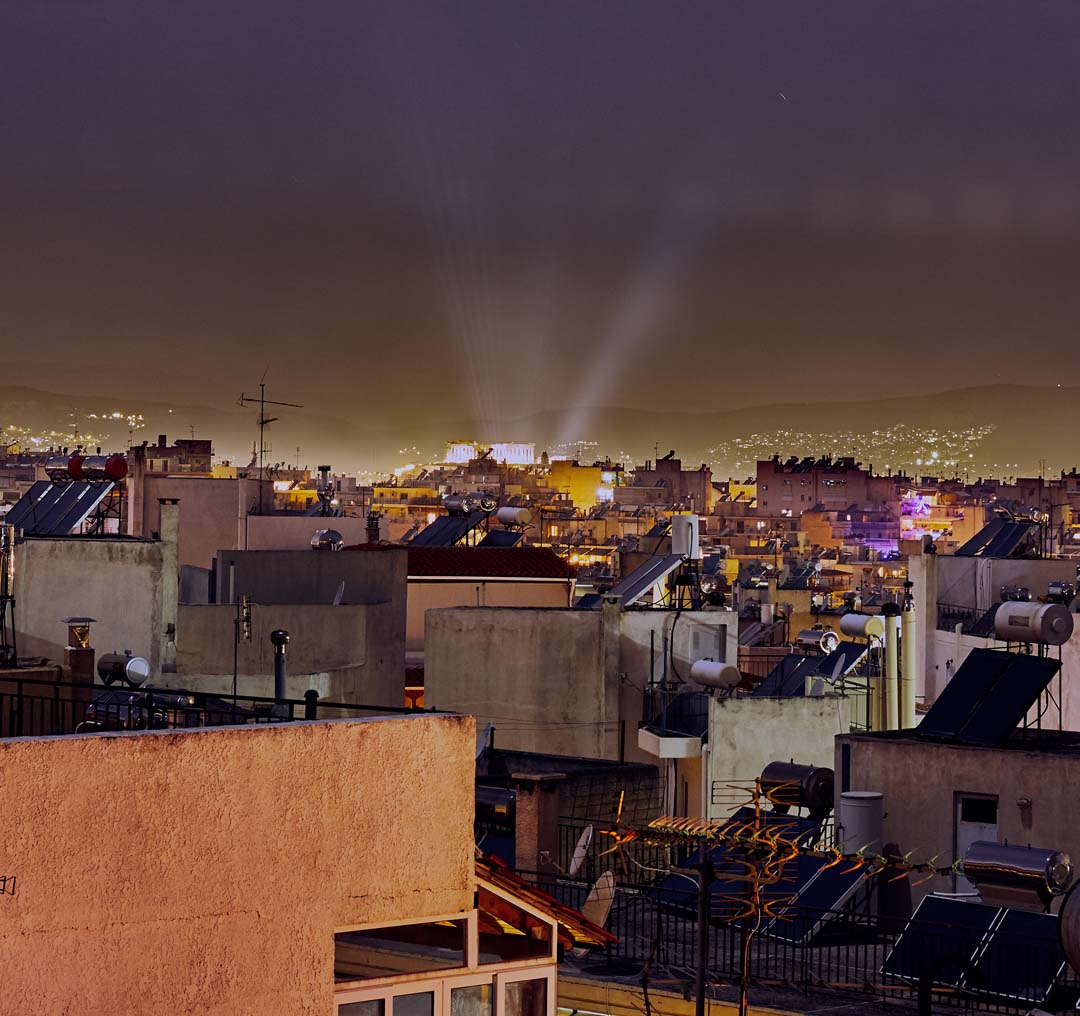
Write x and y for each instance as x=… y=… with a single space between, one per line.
x=892 y=690
x=706 y=875
x=909 y=661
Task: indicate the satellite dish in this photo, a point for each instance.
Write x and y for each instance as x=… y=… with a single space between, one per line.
x=581 y=851
x=597 y=904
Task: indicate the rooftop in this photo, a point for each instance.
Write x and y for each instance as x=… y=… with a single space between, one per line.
x=1048 y=742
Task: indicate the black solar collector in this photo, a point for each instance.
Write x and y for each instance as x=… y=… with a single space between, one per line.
x=988 y=697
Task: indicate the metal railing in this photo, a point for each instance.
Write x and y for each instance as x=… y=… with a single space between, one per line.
x=37 y=707
x=843 y=952
x=973 y=620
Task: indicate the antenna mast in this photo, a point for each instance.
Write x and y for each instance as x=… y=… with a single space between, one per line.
x=264 y=420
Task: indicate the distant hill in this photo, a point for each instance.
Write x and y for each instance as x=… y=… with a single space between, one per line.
x=1024 y=424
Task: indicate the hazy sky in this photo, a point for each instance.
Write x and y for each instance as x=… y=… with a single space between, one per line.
x=506 y=206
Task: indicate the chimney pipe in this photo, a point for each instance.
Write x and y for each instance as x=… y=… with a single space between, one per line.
x=373 y=527
x=890 y=611
x=280 y=639
x=908 y=659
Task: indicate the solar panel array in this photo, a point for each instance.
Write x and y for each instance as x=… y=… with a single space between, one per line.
x=502 y=538
x=642 y=579
x=966 y=945
x=788 y=678
x=448 y=530
x=988 y=697
x=1001 y=538
x=50 y=509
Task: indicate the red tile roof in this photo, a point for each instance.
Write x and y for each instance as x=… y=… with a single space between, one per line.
x=574 y=928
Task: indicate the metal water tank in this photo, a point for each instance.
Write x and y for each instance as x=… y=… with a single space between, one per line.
x=116 y=467
x=861 y=819
x=1069 y=927
x=56 y=468
x=1025 y=877
x=1048 y=624
x=823 y=639
x=790 y=785
x=862 y=626
x=327 y=539
x=122 y=667
x=714 y=674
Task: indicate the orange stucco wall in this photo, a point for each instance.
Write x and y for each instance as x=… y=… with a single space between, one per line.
x=206 y=871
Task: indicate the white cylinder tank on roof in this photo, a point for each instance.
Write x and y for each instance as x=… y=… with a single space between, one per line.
x=862 y=815
x=684 y=537
x=714 y=674
x=862 y=626
x=513 y=516
x=1048 y=624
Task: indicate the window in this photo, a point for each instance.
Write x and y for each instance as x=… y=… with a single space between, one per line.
x=399 y=949
x=979 y=809
x=373 y=1007
x=469 y=1000
x=526 y=998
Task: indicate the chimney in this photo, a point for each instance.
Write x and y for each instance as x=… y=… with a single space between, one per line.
x=79 y=654
x=280 y=639
x=373 y=527
x=162 y=442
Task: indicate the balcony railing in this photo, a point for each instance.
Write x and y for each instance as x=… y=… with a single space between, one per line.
x=842 y=955
x=35 y=707
x=973 y=620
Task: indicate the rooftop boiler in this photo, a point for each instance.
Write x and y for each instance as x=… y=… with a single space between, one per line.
x=1047 y=624
x=1027 y=878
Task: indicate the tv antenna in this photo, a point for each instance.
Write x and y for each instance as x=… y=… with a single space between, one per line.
x=264 y=421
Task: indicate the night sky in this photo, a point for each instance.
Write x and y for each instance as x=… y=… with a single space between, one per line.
x=500 y=207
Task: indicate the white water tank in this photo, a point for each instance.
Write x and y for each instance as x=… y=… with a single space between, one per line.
x=862 y=815
x=862 y=626
x=768 y=613
x=714 y=674
x=513 y=516
x=1049 y=624
x=684 y=537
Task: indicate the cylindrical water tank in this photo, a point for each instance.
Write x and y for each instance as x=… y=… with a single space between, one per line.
x=824 y=639
x=768 y=613
x=122 y=667
x=327 y=539
x=1049 y=624
x=513 y=516
x=485 y=502
x=1069 y=927
x=116 y=467
x=790 y=785
x=861 y=819
x=713 y=674
x=75 y=466
x=56 y=466
x=93 y=468
x=862 y=626
x=1007 y=875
